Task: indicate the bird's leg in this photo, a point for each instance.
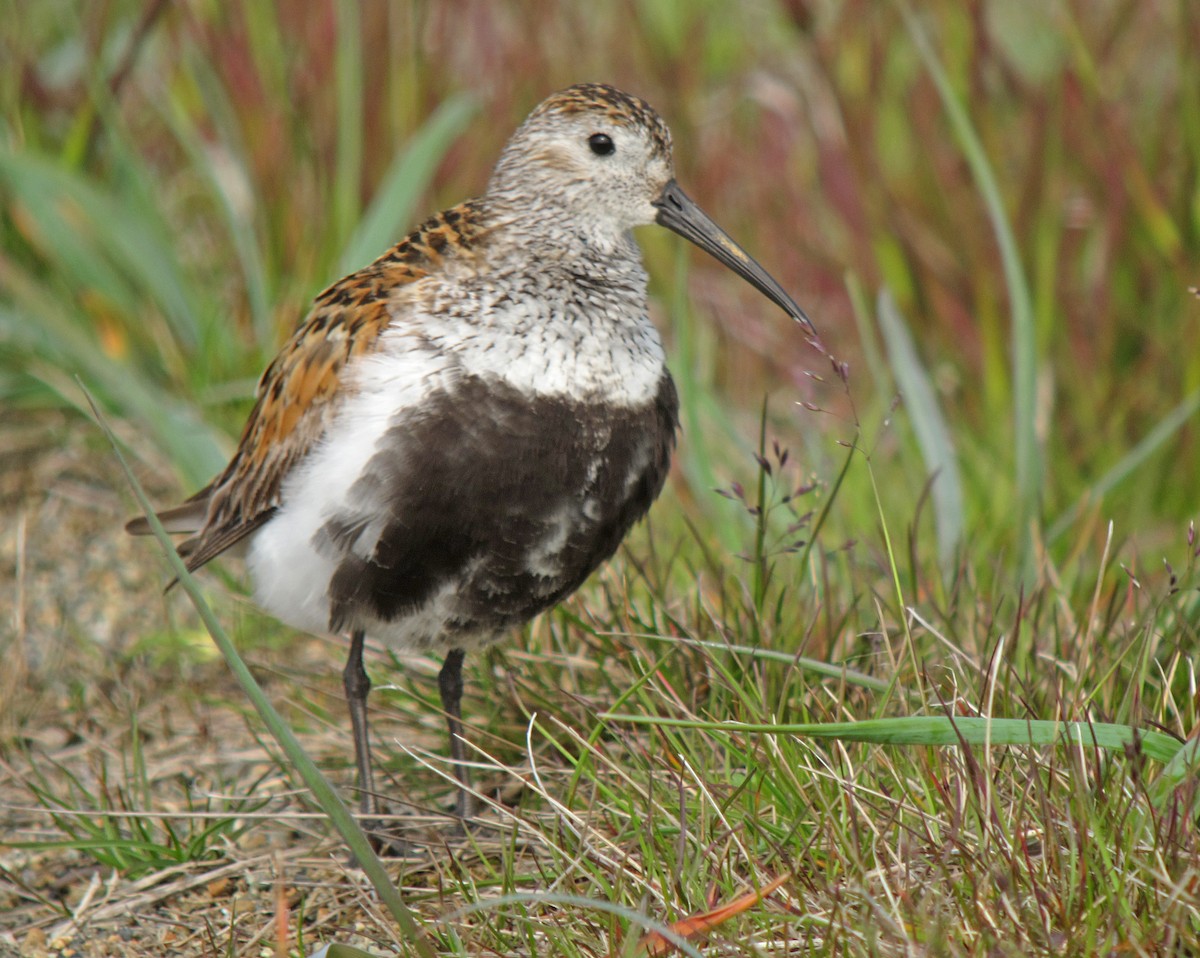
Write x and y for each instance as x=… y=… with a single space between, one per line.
x=357 y=684
x=450 y=685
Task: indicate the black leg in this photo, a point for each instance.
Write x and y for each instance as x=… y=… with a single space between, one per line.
x=357 y=684
x=450 y=685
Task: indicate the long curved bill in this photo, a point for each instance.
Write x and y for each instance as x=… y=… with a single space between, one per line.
x=678 y=213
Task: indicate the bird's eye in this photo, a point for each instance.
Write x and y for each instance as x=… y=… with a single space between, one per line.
x=602 y=144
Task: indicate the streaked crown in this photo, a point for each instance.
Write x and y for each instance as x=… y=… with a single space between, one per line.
x=601 y=101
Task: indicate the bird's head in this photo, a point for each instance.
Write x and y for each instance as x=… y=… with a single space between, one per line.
x=604 y=157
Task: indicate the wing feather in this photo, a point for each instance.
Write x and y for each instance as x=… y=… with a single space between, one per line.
x=301 y=390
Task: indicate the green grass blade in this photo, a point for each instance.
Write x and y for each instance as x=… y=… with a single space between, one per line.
x=706 y=425
x=1029 y=466
x=55 y=347
x=55 y=203
x=1171 y=423
x=348 y=67
x=1184 y=764
x=102 y=240
x=238 y=197
x=391 y=211
x=943 y=730
x=237 y=214
x=934 y=435
x=827 y=670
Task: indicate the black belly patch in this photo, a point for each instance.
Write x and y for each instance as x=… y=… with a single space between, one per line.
x=510 y=501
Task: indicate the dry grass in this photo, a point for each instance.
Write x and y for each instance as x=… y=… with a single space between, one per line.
x=881 y=851
x=159 y=239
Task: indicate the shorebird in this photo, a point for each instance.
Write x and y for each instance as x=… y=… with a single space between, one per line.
x=458 y=434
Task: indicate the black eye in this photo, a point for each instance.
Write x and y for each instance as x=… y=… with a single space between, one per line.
x=602 y=144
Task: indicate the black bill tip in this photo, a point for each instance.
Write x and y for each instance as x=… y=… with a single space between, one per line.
x=678 y=213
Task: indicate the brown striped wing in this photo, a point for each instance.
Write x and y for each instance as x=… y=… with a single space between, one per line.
x=300 y=391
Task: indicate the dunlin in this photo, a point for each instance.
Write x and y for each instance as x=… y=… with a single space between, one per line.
x=458 y=434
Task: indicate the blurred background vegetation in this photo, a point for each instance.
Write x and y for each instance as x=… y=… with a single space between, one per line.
x=179 y=179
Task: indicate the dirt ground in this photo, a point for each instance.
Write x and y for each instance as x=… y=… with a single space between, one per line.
x=116 y=714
